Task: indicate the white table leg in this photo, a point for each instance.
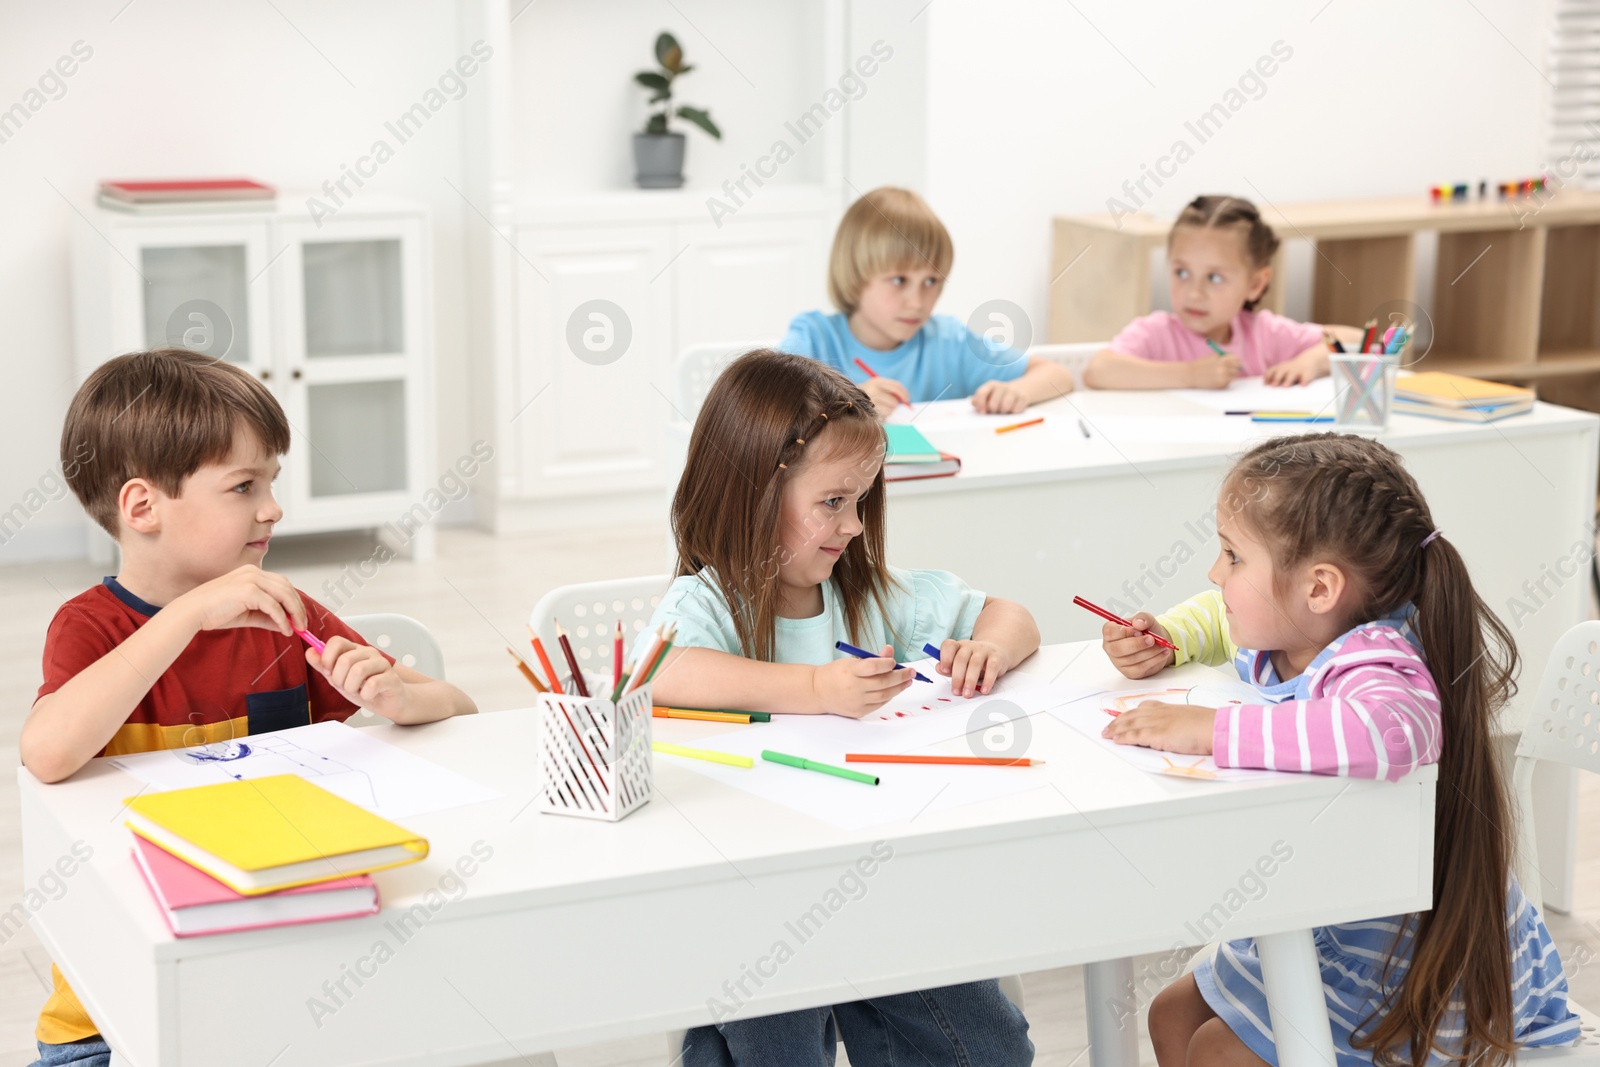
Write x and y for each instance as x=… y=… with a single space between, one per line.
x=1113 y=1032
x=1294 y=996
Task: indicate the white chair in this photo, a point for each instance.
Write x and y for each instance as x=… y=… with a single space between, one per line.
x=589 y=612
x=404 y=638
x=1563 y=726
x=698 y=367
x=1074 y=356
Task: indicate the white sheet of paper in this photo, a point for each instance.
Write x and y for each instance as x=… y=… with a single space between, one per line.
x=1089 y=716
x=344 y=760
x=1130 y=430
x=924 y=715
x=932 y=416
x=1253 y=394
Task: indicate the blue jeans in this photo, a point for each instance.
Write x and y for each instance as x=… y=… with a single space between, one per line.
x=971 y=1025
x=90 y=1052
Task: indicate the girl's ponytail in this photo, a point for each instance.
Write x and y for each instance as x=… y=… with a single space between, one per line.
x=1460 y=948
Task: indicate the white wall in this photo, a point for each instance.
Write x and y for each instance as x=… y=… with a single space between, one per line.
x=1032 y=112
x=180 y=88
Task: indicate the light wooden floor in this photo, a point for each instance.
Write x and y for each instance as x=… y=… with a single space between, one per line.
x=475 y=597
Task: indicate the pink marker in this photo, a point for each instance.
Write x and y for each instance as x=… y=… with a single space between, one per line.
x=312 y=639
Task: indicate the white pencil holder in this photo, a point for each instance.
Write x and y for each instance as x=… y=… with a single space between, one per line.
x=1363 y=391
x=594 y=755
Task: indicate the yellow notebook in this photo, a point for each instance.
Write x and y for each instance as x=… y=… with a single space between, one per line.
x=1457 y=391
x=263 y=834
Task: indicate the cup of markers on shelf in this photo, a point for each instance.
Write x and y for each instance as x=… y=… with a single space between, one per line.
x=594 y=731
x=1363 y=383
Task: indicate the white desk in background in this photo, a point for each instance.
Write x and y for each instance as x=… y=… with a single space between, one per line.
x=1127 y=515
x=573 y=932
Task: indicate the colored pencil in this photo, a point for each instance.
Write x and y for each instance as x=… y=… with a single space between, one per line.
x=702 y=716
x=969 y=761
x=1218 y=349
x=1019 y=425
x=1292 y=418
x=1275 y=414
x=661 y=657
x=1332 y=342
x=616 y=657
x=527 y=671
x=870 y=373
x=703 y=753
x=803 y=764
x=578 y=683
x=1367 y=333
x=641 y=666
x=861 y=653
x=313 y=640
x=753 y=716
x=1120 y=621
x=616 y=690
x=544 y=661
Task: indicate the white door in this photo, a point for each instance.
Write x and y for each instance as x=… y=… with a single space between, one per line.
x=745 y=281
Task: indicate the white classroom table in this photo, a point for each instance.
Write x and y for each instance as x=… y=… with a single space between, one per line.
x=1039 y=517
x=576 y=931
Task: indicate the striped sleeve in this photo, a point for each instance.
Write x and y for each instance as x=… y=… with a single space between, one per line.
x=1372 y=712
x=1199 y=627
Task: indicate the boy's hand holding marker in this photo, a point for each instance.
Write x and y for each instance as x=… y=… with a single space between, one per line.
x=362 y=675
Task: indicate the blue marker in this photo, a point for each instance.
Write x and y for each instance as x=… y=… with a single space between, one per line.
x=861 y=653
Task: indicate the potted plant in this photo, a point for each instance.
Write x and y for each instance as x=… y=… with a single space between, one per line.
x=658 y=152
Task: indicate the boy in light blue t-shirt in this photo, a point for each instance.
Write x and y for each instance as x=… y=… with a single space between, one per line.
x=890 y=258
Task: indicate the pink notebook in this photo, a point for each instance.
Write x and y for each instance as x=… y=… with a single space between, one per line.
x=194 y=903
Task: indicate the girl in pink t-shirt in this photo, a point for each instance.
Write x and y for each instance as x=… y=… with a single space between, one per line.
x=1220 y=260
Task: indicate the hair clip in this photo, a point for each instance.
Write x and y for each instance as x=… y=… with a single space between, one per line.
x=783 y=466
x=799 y=440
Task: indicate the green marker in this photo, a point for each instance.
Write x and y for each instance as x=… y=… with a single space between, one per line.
x=812 y=765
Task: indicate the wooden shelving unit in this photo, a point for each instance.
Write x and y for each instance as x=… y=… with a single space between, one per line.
x=1516 y=294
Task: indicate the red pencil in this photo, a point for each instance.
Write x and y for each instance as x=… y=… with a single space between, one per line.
x=572 y=661
x=1120 y=621
x=544 y=661
x=872 y=374
x=616 y=657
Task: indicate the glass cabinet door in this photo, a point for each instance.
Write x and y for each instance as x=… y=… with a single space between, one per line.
x=199 y=287
x=353 y=327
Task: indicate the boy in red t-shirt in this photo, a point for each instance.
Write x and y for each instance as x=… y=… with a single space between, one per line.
x=174 y=454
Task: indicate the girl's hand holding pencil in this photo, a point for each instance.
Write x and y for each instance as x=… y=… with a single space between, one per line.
x=1134 y=650
x=1169 y=727
x=854 y=687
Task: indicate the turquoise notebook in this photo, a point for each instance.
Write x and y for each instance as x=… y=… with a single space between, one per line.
x=907 y=445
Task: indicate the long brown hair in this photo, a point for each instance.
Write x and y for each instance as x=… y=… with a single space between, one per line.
x=767 y=415
x=1219 y=212
x=1350 y=500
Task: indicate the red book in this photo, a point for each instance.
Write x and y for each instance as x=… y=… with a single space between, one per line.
x=149 y=192
x=906 y=472
x=194 y=903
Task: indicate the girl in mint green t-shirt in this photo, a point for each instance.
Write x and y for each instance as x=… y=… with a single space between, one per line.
x=779 y=523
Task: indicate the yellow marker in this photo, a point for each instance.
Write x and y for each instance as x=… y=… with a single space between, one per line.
x=703 y=753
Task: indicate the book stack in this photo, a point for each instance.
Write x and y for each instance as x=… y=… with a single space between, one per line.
x=186 y=196
x=911 y=455
x=1436 y=395
x=261 y=852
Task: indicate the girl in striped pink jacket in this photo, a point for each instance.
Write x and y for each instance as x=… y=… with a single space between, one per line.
x=1356 y=621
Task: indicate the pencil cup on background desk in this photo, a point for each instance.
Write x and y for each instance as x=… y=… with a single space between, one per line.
x=594 y=753
x=1363 y=391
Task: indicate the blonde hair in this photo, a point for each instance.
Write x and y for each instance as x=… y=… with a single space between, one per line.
x=887 y=229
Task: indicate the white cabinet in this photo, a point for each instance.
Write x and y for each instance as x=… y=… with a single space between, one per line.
x=333 y=318
x=608 y=290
